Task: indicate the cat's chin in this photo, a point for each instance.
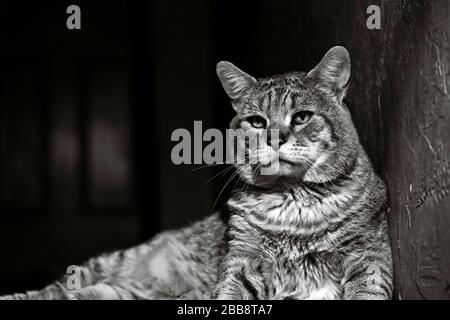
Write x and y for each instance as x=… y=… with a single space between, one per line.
x=265 y=180
x=285 y=171
x=291 y=170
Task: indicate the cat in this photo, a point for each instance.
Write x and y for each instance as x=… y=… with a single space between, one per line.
x=316 y=228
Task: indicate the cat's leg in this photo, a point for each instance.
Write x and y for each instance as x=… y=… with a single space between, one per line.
x=185 y=264
x=127 y=290
x=369 y=278
x=133 y=290
x=94 y=271
x=241 y=278
x=99 y=291
x=175 y=264
x=54 y=291
x=149 y=271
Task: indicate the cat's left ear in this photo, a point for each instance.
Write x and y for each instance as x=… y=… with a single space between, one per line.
x=235 y=82
x=334 y=70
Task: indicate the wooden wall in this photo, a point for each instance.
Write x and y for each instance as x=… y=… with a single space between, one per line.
x=399 y=99
x=401 y=104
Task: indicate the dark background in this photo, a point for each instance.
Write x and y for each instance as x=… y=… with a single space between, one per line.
x=86 y=118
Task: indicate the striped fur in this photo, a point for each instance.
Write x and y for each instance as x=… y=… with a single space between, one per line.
x=315 y=229
x=179 y=264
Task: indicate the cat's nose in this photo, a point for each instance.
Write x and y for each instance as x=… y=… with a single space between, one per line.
x=276 y=140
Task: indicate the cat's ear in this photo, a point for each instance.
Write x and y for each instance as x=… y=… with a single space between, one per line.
x=334 y=70
x=235 y=81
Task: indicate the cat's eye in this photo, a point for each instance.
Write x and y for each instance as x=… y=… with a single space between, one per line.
x=257 y=122
x=301 y=117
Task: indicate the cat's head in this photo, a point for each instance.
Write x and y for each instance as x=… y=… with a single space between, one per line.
x=316 y=138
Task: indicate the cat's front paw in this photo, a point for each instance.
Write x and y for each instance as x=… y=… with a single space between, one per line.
x=234 y=293
x=227 y=293
x=225 y=296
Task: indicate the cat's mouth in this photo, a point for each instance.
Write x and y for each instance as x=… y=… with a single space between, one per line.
x=284 y=171
x=288 y=162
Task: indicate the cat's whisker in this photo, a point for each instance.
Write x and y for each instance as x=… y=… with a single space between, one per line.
x=219 y=163
x=338 y=170
x=252 y=177
x=209 y=166
x=220 y=173
x=223 y=188
x=234 y=186
x=327 y=176
x=309 y=164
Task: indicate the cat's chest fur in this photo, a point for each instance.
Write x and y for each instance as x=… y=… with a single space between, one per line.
x=297 y=258
x=292 y=274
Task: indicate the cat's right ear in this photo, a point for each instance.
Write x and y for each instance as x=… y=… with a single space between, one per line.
x=235 y=82
x=334 y=70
